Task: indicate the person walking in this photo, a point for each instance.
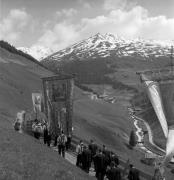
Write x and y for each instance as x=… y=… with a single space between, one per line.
x=157 y=173
x=114 y=173
x=93 y=148
x=100 y=165
x=133 y=173
x=107 y=153
x=79 y=150
x=86 y=159
x=62 y=139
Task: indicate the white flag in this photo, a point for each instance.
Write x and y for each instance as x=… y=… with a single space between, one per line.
x=37 y=100
x=155 y=98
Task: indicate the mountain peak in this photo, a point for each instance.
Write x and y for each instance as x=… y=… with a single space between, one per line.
x=109 y=45
x=98 y=35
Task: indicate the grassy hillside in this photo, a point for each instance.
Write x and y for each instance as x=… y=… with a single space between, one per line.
x=21 y=156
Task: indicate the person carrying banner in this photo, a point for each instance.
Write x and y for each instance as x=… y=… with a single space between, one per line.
x=62 y=139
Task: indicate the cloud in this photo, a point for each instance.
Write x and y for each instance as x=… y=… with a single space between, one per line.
x=85 y=4
x=129 y=24
x=59 y=37
x=118 y=4
x=12 y=26
x=66 y=12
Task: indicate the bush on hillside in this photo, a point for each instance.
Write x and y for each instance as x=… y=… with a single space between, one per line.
x=132 y=139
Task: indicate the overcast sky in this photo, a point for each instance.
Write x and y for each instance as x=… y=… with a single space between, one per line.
x=59 y=23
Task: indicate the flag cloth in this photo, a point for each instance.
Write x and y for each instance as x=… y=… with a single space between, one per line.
x=162 y=100
x=154 y=95
x=37 y=101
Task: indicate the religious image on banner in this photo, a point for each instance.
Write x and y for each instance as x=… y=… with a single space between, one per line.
x=37 y=100
x=58 y=92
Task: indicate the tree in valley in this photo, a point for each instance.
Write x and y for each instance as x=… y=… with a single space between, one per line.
x=132 y=139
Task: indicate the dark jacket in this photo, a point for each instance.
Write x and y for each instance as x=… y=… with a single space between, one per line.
x=86 y=160
x=100 y=162
x=93 y=148
x=133 y=174
x=114 y=173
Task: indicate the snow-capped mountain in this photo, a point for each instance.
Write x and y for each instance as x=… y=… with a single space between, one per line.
x=38 y=52
x=109 y=45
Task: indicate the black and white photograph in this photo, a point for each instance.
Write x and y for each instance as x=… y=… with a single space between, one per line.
x=87 y=89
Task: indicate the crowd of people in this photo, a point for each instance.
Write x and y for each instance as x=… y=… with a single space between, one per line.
x=105 y=162
x=62 y=141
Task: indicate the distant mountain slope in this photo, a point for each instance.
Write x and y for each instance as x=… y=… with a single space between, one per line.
x=38 y=52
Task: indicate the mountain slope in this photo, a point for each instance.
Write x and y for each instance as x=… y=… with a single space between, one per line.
x=107 y=59
x=21 y=156
x=110 y=46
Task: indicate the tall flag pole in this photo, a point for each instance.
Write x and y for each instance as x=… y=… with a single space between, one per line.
x=171 y=57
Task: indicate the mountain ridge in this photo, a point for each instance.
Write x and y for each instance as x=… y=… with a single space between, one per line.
x=103 y=45
x=109 y=45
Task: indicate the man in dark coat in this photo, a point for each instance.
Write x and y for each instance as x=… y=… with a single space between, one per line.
x=133 y=173
x=100 y=165
x=86 y=159
x=107 y=153
x=93 y=148
x=114 y=173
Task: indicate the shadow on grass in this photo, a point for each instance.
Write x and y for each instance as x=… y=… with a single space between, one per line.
x=128 y=146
